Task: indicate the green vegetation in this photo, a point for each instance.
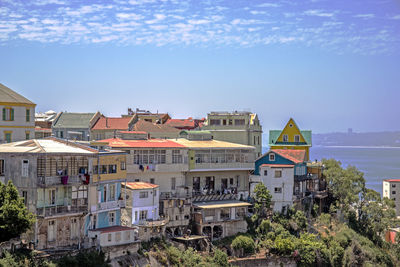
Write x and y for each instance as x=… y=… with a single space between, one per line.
x=15 y=219
x=244 y=243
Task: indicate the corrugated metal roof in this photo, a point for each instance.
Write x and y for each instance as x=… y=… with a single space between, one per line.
x=150 y=143
x=295 y=155
x=105 y=123
x=72 y=120
x=210 y=144
x=220 y=204
x=140 y=185
x=8 y=95
x=49 y=145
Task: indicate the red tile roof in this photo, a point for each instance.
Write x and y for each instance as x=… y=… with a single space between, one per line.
x=140 y=185
x=133 y=132
x=278 y=165
x=105 y=123
x=150 y=143
x=179 y=123
x=392 y=180
x=115 y=228
x=295 y=155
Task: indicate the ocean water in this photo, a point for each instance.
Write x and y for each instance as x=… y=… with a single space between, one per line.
x=377 y=163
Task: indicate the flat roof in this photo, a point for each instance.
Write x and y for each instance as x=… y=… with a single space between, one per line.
x=220 y=204
x=140 y=185
x=278 y=165
x=210 y=144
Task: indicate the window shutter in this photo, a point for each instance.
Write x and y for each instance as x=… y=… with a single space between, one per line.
x=12 y=114
x=4 y=114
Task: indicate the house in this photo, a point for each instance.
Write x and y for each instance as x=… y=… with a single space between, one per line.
x=146 y=115
x=52 y=175
x=45 y=120
x=143 y=209
x=283 y=172
x=236 y=127
x=113 y=236
x=187 y=170
x=17 y=116
x=106 y=127
x=186 y=124
x=74 y=126
x=105 y=194
x=391 y=190
x=291 y=137
x=219 y=219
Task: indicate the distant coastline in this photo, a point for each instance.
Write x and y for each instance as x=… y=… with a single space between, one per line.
x=345 y=146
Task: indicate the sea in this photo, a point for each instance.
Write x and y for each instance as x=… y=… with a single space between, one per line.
x=377 y=163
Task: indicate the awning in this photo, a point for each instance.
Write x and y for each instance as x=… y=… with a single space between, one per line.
x=220 y=204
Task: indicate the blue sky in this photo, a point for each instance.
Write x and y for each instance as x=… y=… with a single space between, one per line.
x=329 y=64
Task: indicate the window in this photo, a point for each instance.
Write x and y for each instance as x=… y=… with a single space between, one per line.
x=112 y=168
x=52 y=196
x=272 y=157
x=225 y=214
x=230 y=121
x=254 y=139
x=51 y=231
x=117 y=236
x=223 y=122
x=8 y=114
x=231 y=181
x=297 y=138
x=111 y=218
x=285 y=138
x=27 y=135
x=196 y=184
x=143 y=215
x=7 y=136
x=278 y=174
x=290 y=125
x=278 y=189
x=25 y=168
x=28 y=114
x=393 y=192
x=152 y=181
x=394 y=199
x=1 y=167
x=109 y=238
x=173 y=183
x=239 y=122
x=123 y=165
x=149 y=157
x=112 y=192
x=393 y=185
x=215 y=122
x=209 y=212
x=176 y=156
x=136 y=215
x=265 y=172
x=25 y=196
x=61 y=134
x=103 y=169
x=94 y=222
x=104 y=193
x=95 y=169
x=143 y=194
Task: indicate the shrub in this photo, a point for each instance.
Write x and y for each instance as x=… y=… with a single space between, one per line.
x=245 y=243
x=283 y=245
x=220 y=258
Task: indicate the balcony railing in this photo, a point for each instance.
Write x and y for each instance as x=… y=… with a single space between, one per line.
x=108 y=205
x=61 y=180
x=213 y=197
x=153 y=223
x=225 y=165
x=59 y=210
x=172 y=195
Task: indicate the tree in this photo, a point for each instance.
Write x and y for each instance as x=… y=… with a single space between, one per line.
x=262 y=200
x=15 y=218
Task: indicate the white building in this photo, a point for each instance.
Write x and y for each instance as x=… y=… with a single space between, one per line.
x=391 y=190
x=17 y=116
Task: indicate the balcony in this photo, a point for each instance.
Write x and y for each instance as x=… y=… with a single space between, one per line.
x=109 y=205
x=223 y=166
x=61 y=180
x=60 y=210
x=213 y=197
x=138 y=168
x=175 y=195
x=153 y=223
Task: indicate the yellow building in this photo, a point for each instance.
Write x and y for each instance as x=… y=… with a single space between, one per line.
x=17 y=120
x=291 y=137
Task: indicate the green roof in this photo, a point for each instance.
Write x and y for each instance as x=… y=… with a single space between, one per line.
x=73 y=120
x=8 y=95
x=274 y=135
x=195 y=132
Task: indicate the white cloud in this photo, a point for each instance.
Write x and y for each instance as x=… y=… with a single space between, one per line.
x=318 y=13
x=257 y=12
x=268 y=5
x=157 y=18
x=49 y=2
x=198 y=21
x=131 y=16
x=396 y=17
x=365 y=16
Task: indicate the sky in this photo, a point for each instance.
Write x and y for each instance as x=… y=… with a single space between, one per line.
x=331 y=65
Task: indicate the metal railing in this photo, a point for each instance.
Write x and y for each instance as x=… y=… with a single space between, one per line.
x=61 y=180
x=111 y=205
x=59 y=210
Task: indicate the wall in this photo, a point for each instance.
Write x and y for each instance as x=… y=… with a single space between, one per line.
x=286 y=182
x=163 y=179
x=102 y=218
x=265 y=160
x=19 y=126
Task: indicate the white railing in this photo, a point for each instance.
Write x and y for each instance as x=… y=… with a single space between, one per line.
x=110 y=205
x=231 y=165
x=61 y=180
